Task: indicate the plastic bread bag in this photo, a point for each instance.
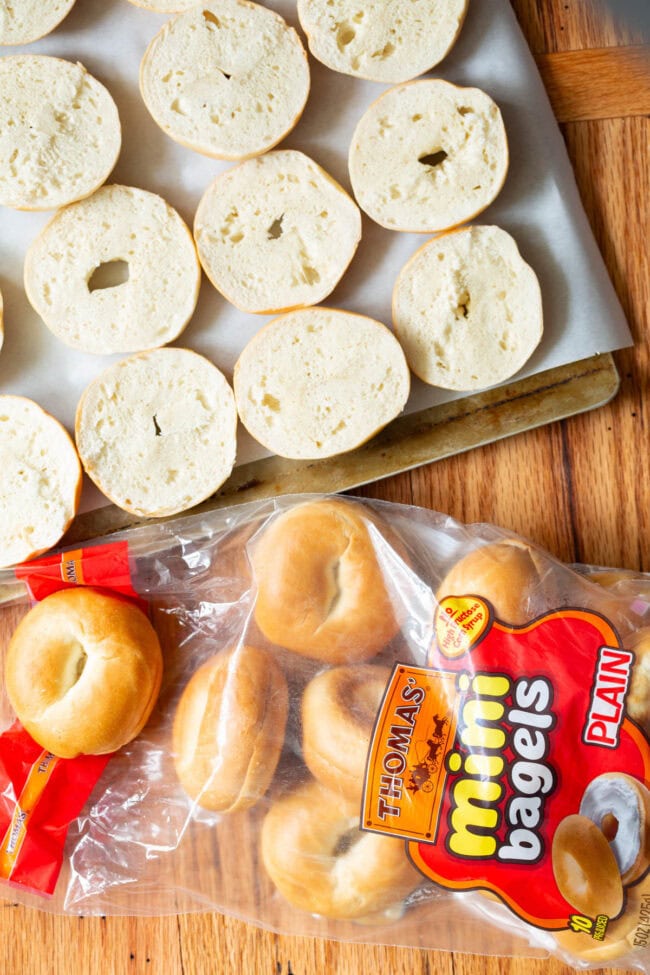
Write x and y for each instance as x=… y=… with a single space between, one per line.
x=375 y=724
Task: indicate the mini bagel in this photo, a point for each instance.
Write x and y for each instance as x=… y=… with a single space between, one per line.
x=339 y=707
x=427 y=156
x=227 y=78
x=276 y=233
x=83 y=672
x=60 y=132
x=320 y=381
x=321 y=591
x=585 y=869
x=40 y=480
x=157 y=431
x=117 y=228
x=453 y=307
x=509 y=574
x=638 y=695
x=229 y=729
x=24 y=21
x=620 y=805
x=384 y=42
x=321 y=862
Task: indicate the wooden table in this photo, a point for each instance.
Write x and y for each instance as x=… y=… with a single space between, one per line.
x=581 y=488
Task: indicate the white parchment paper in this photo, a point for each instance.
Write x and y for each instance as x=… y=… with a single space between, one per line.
x=539 y=205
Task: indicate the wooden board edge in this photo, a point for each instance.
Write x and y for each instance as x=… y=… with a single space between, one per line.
x=408 y=442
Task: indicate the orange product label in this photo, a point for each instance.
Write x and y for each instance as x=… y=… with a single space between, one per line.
x=406 y=771
x=37 y=779
x=72 y=567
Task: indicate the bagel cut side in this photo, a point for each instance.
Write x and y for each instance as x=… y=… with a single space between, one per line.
x=383 y=42
x=40 y=480
x=427 y=156
x=318 y=382
x=24 y=21
x=276 y=233
x=227 y=78
x=157 y=431
x=60 y=133
x=141 y=238
x=467 y=309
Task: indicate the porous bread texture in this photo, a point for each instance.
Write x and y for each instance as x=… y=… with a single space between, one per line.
x=428 y=155
x=227 y=78
x=319 y=382
x=116 y=223
x=389 y=42
x=276 y=233
x=40 y=480
x=467 y=309
x=156 y=432
x=24 y=21
x=164 y=6
x=60 y=133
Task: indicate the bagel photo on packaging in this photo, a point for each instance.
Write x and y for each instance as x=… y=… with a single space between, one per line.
x=83 y=672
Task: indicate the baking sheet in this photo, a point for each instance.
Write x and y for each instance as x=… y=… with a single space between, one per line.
x=539 y=205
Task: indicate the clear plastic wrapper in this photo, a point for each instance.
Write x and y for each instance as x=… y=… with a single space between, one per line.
x=386 y=708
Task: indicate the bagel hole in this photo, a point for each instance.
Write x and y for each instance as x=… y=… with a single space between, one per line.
x=345 y=35
x=108 y=274
x=72 y=667
x=275 y=230
x=433 y=159
x=335 y=587
x=212 y=22
x=609 y=826
x=462 y=309
x=80 y=665
x=346 y=841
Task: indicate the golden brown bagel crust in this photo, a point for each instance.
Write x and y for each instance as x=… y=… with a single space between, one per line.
x=300 y=836
x=320 y=587
x=83 y=672
x=229 y=729
x=506 y=574
x=339 y=708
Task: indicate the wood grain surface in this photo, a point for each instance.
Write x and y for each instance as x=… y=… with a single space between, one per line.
x=580 y=487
